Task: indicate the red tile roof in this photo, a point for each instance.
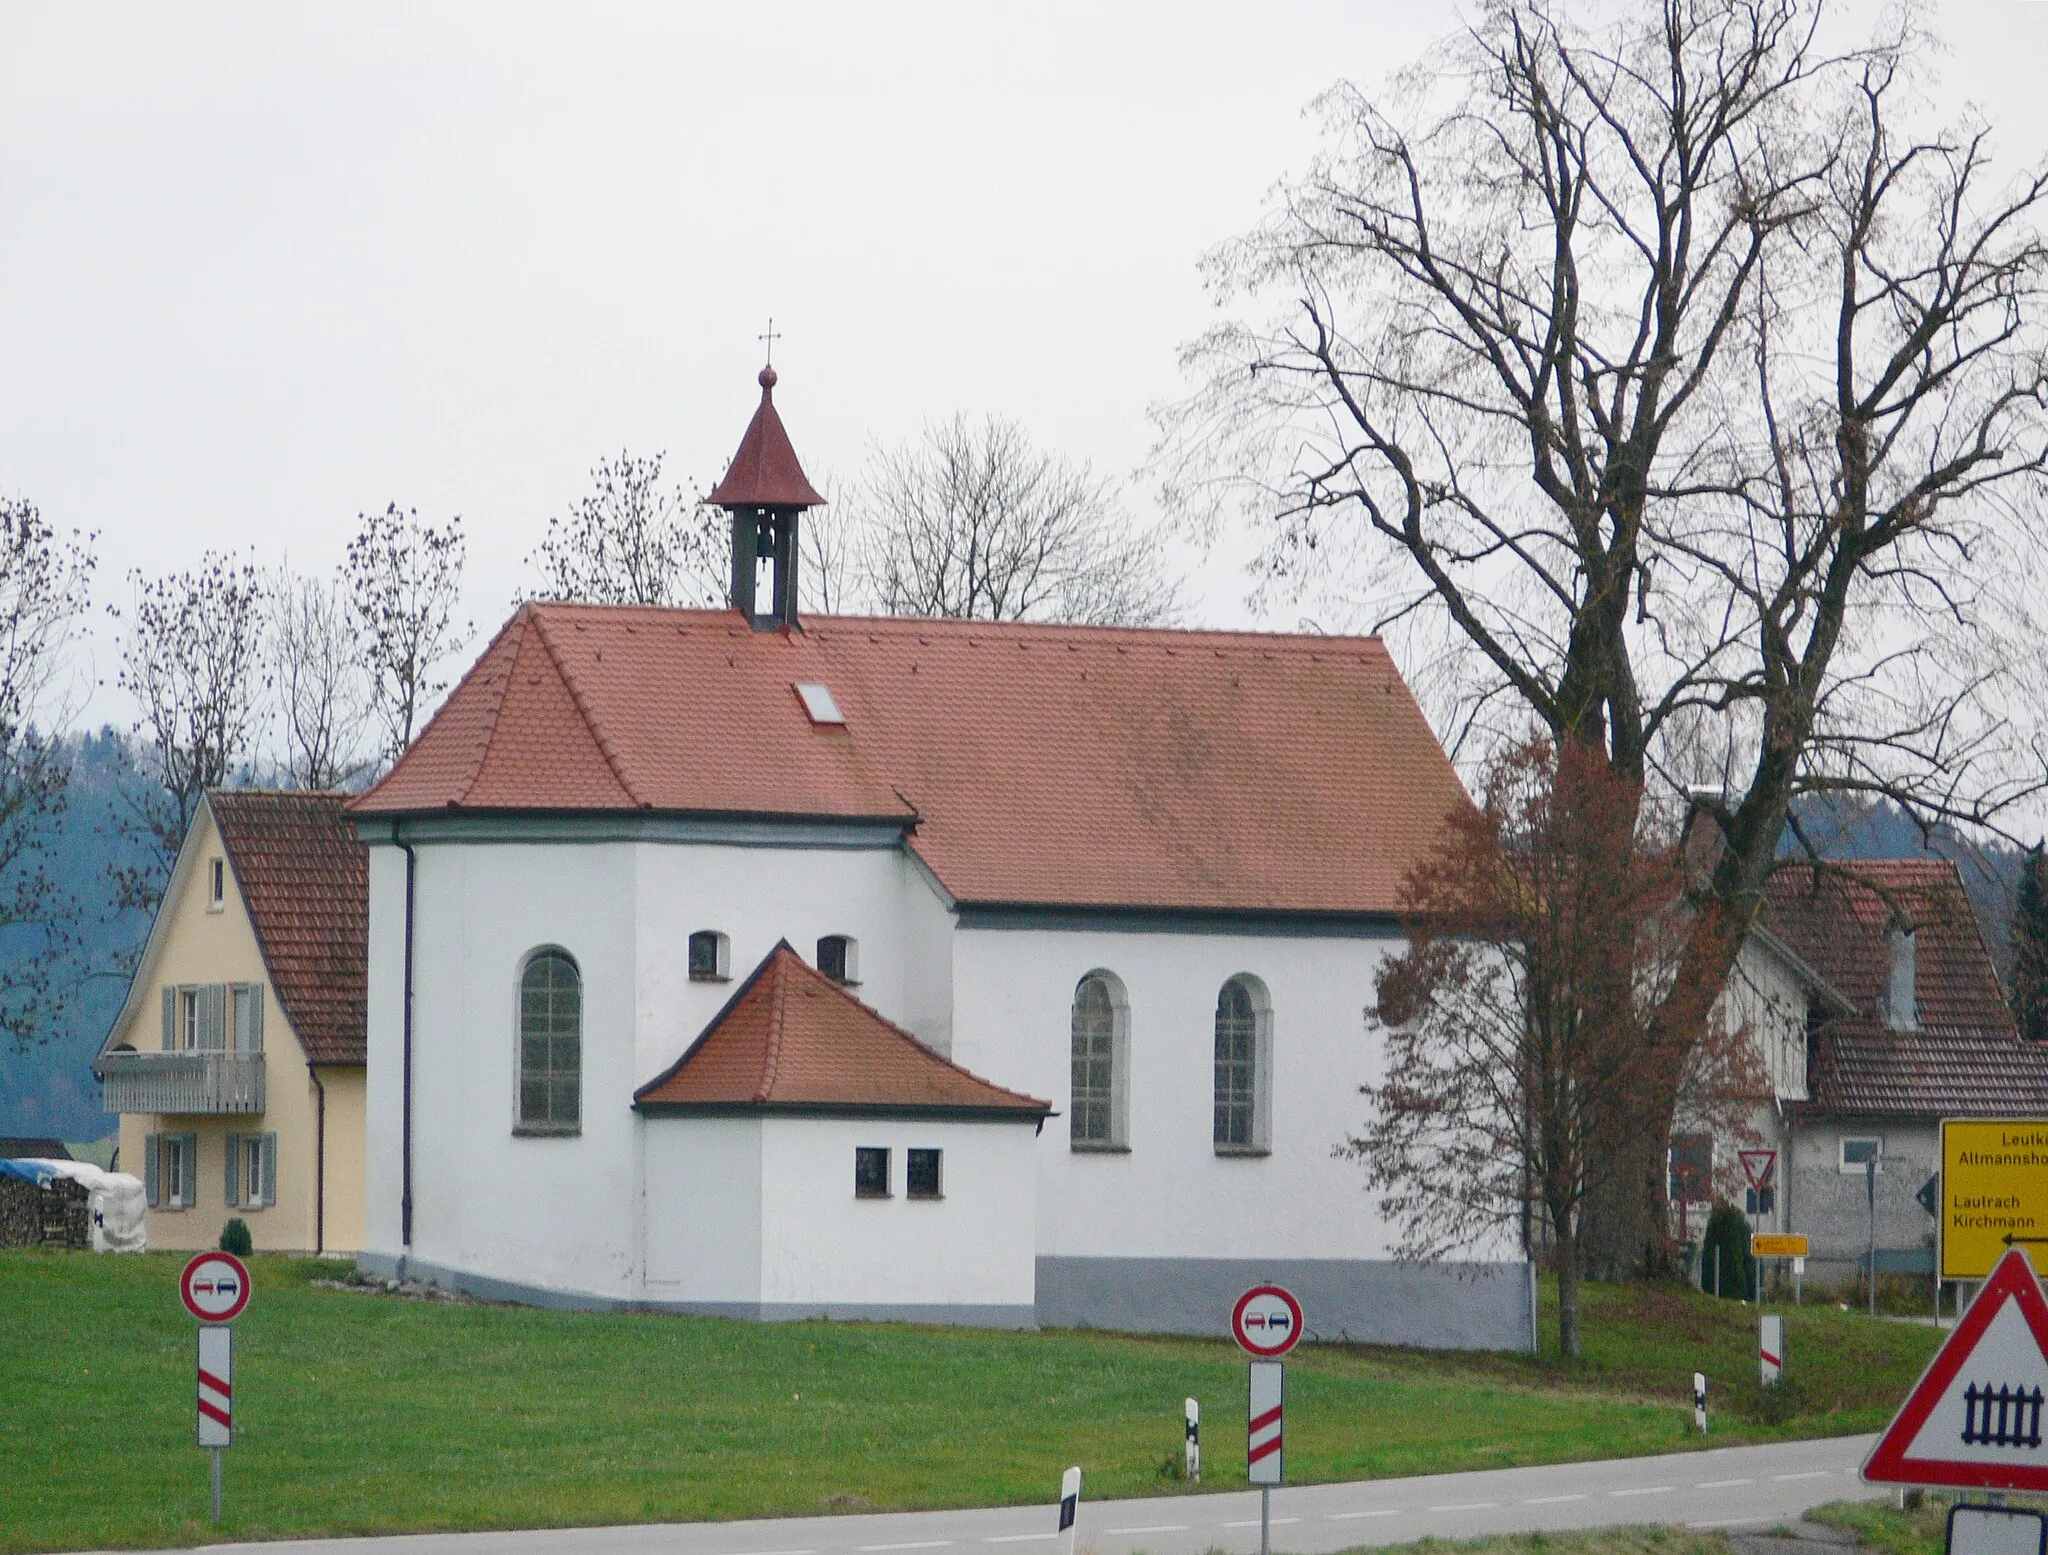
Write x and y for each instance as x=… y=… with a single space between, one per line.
x=1965 y=1059
x=765 y=472
x=304 y=876
x=791 y=1038
x=1063 y=765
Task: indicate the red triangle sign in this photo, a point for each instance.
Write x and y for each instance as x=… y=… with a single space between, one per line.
x=1978 y=1417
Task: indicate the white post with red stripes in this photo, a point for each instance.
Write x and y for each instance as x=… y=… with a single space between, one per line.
x=216 y=1396
x=1770 y=1349
x=1265 y=1450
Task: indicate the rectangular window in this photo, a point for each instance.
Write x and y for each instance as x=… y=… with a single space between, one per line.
x=1692 y=1168
x=180 y=1160
x=217 y=890
x=1857 y=1153
x=188 y=1017
x=1236 y=1085
x=870 y=1172
x=259 y=1169
x=921 y=1174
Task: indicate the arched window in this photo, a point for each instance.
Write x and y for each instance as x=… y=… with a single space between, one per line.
x=1244 y=1068
x=710 y=957
x=550 y=1044
x=1099 y=1116
x=839 y=958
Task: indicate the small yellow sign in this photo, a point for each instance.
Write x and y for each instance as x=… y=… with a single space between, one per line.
x=1764 y=1245
x=1994 y=1193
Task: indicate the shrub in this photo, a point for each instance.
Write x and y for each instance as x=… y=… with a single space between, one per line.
x=1727 y=1234
x=235 y=1238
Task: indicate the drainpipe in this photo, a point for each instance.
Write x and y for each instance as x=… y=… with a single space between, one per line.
x=405 y=1119
x=319 y=1161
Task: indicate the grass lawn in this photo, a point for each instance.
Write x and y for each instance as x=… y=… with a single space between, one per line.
x=361 y=1413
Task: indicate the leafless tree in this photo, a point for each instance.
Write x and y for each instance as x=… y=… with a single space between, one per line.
x=631 y=540
x=1679 y=384
x=44 y=577
x=830 y=544
x=974 y=520
x=1528 y=1021
x=325 y=703
x=192 y=658
x=404 y=578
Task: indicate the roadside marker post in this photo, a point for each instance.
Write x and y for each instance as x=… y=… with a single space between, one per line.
x=1193 y=1462
x=215 y=1289
x=1770 y=1350
x=1267 y=1322
x=1699 y=1401
x=1070 y=1505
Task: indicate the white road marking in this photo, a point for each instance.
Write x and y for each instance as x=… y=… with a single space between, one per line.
x=1465 y=1506
x=1550 y=1500
x=1643 y=1490
x=1719 y=1484
x=919 y=1544
x=1809 y=1474
x=1735 y=1522
x=1343 y=1517
x=1254 y=1522
x=1017 y=1538
x=1152 y=1528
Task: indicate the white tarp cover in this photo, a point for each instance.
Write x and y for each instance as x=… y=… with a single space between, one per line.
x=117 y=1201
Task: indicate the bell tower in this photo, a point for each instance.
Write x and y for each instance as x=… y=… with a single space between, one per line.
x=766 y=492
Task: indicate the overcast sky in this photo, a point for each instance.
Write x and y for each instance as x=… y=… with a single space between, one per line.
x=263 y=267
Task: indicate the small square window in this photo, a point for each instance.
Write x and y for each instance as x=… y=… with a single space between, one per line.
x=870 y=1172
x=1858 y=1153
x=839 y=958
x=921 y=1174
x=710 y=957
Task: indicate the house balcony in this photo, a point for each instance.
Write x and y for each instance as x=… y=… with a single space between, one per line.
x=180 y=1082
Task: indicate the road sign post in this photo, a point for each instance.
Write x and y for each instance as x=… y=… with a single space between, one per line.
x=1974 y=1419
x=1699 y=1401
x=1193 y=1460
x=1267 y=1322
x=1770 y=1350
x=215 y=1289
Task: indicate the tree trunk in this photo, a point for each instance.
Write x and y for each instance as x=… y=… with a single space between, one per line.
x=1568 y=1298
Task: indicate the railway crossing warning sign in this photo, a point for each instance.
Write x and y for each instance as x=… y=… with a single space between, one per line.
x=1973 y=1420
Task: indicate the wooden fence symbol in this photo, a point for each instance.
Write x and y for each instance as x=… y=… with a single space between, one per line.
x=2001 y=1416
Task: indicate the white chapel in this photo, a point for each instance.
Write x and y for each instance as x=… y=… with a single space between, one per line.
x=744 y=963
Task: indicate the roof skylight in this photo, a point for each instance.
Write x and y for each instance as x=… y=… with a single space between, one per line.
x=819 y=704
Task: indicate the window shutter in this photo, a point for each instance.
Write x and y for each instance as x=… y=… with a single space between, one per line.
x=217 y=1016
x=170 y=1017
x=256 y=1017
x=188 y=1145
x=269 y=1169
x=234 y=1191
x=151 y=1186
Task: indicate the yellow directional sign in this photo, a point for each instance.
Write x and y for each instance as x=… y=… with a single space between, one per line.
x=1994 y=1194
x=1764 y=1245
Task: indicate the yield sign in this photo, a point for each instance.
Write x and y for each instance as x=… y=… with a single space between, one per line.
x=1974 y=1419
x=1757 y=1166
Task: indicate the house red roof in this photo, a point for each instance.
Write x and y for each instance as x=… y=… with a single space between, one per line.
x=791 y=1038
x=304 y=876
x=1965 y=1059
x=1062 y=765
x=765 y=472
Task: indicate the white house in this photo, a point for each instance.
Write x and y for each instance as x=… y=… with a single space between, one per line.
x=1147 y=876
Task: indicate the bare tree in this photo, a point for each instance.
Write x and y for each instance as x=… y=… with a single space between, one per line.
x=973 y=520
x=830 y=543
x=631 y=540
x=325 y=702
x=1528 y=1021
x=1680 y=387
x=44 y=577
x=192 y=658
x=404 y=578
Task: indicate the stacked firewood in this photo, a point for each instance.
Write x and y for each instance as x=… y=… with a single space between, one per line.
x=56 y=1216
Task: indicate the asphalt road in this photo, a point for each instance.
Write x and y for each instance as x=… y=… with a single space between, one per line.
x=1718 y=1488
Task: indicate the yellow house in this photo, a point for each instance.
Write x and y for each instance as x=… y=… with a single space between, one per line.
x=236 y=1063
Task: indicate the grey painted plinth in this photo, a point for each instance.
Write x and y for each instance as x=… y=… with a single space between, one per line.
x=1429 y=1306
x=485 y=1288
